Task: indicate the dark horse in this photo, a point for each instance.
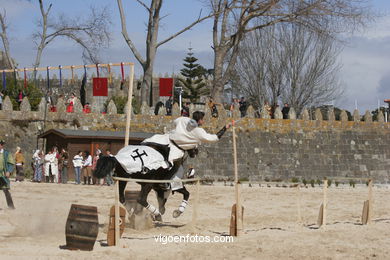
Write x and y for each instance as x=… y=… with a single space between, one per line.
x=106 y=164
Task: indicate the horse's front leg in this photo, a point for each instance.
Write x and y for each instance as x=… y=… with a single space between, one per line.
x=122 y=186
x=142 y=199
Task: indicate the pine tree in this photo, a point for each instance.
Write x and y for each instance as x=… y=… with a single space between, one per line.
x=192 y=79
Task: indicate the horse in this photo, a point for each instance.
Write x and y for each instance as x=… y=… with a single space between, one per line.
x=106 y=164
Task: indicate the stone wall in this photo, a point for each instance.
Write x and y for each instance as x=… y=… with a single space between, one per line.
x=273 y=149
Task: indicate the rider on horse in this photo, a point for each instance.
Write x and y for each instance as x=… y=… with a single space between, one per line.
x=186 y=136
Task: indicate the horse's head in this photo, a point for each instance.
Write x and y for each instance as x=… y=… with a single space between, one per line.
x=104 y=166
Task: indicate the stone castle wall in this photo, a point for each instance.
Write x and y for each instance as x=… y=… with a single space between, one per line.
x=274 y=149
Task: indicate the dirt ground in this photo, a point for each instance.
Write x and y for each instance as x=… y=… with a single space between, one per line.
x=272 y=229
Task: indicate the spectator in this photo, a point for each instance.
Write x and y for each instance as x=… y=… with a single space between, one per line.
x=213 y=107
x=109 y=180
x=87 y=168
x=159 y=104
x=77 y=164
x=285 y=110
x=1 y=100
x=63 y=164
x=94 y=162
x=268 y=108
x=38 y=161
x=168 y=106
x=49 y=167
x=87 y=108
x=19 y=162
x=71 y=102
x=185 y=111
x=19 y=97
x=6 y=167
x=233 y=105
x=243 y=106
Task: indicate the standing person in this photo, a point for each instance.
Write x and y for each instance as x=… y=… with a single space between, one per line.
x=19 y=97
x=71 y=102
x=1 y=100
x=55 y=168
x=19 y=162
x=63 y=164
x=47 y=166
x=268 y=108
x=38 y=161
x=233 y=104
x=87 y=168
x=243 y=106
x=6 y=167
x=94 y=162
x=285 y=110
x=168 y=106
x=77 y=164
x=109 y=180
x=185 y=111
x=158 y=107
x=213 y=107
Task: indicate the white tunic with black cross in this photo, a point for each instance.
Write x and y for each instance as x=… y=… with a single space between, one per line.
x=138 y=158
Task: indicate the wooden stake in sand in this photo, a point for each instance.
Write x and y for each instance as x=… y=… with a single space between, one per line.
x=128 y=119
x=236 y=225
x=299 y=204
x=367 y=206
x=321 y=222
x=196 y=208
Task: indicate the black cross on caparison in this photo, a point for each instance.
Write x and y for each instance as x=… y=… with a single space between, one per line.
x=138 y=155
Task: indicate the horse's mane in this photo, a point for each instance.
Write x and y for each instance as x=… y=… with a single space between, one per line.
x=104 y=166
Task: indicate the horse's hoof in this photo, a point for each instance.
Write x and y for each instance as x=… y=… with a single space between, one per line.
x=162 y=210
x=176 y=213
x=157 y=218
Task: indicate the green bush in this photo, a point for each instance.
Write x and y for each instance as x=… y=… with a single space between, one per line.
x=33 y=93
x=352 y=183
x=336 y=183
x=329 y=183
x=319 y=182
x=120 y=103
x=312 y=182
x=304 y=181
x=294 y=180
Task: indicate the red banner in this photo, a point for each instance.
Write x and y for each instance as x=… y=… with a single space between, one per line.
x=100 y=87
x=166 y=85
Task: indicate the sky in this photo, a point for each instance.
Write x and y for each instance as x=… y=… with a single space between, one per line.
x=365 y=73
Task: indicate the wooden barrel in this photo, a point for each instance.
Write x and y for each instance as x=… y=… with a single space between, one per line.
x=82 y=227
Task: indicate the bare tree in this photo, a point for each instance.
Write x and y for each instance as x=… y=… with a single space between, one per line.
x=4 y=38
x=287 y=62
x=91 y=33
x=151 y=42
x=234 y=18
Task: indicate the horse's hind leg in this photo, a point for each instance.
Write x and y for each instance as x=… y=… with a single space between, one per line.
x=183 y=204
x=162 y=196
x=142 y=199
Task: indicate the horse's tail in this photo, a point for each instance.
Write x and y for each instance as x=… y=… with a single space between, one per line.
x=104 y=166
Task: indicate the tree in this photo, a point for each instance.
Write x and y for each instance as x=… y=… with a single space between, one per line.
x=193 y=82
x=235 y=18
x=289 y=63
x=151 y=41
x=9 y=62
x=91 y=33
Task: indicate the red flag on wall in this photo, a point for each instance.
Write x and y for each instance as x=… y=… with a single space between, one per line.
x=100 y=87
x=166 y=85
